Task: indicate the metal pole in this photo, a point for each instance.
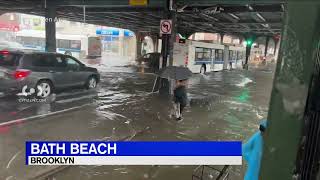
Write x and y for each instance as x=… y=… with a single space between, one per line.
x=164 y=50
x=172 y=39
x=165 y=37
x=266 y=46
x=164 y=83
x=248 y=51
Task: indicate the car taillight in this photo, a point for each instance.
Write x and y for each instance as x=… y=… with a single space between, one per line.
x=4 y=52
x=19 y=74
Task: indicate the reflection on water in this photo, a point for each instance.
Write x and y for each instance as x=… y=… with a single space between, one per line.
x=223 y=106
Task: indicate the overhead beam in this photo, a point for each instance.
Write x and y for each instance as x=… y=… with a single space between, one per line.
x=105 y=10
x=239 y=22
x=118 y=13
x=104 y=3
x=233 y=9
x=227 y=2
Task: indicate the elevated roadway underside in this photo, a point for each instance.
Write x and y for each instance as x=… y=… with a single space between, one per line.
x=262 y=18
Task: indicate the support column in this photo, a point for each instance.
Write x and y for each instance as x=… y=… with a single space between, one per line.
x=164 y=49
x=266 y=46
x=249 y=39
x=296 y=66
x=221 y=38
x=166 y=86
x=50 y=26
x=121 y=43
x=155 y=43
x=138 y=44
x=248 y=51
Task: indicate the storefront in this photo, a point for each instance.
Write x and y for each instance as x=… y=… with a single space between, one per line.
x=115 y=41
x=9 y=24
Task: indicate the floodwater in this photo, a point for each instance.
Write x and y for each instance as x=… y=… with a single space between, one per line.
x=224 y=105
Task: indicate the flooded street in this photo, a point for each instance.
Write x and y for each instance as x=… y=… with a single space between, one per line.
x=224 y=105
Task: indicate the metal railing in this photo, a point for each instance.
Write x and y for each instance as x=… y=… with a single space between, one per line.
x=204 y=172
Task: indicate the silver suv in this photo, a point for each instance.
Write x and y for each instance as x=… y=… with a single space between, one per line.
x=46 y=72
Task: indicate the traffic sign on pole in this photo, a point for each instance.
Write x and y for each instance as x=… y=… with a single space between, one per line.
x=166 y=26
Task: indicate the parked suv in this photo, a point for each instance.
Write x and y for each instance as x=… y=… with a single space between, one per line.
x=49 y=71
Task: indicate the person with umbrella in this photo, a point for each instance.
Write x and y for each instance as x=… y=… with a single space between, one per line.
x=180 y=98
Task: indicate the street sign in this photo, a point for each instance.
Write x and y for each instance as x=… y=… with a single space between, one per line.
x=138 y=2
x=165 y=26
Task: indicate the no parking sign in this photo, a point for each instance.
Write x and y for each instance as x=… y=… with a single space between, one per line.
x=165 y=26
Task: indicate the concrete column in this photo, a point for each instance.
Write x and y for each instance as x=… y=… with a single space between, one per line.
x=155 y=43
x=50 y=23
x=139 y=44
x=289 y=113
x=121 y=43
x=266 y=46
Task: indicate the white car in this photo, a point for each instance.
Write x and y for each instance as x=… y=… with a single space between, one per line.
x=11 y=46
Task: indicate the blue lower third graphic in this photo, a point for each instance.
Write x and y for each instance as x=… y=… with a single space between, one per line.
x=134 y=153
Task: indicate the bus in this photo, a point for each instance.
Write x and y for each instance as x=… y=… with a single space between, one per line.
x=202 y=57
x=79 y=46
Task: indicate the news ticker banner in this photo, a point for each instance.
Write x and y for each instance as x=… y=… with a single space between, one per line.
x=133 y=153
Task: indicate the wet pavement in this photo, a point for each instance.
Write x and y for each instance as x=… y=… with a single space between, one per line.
x=224 y=105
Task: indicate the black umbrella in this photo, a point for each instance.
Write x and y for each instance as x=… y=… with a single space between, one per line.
x=176 y=73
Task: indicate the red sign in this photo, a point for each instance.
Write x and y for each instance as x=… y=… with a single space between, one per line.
x=9 y=26
x=165 y=26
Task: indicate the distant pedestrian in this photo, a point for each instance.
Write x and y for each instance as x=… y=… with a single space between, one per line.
x=252 y=152
x=180 y=98
x=230 y=64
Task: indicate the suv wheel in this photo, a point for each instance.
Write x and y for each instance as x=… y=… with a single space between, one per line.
x=44 y=88
x=91 y=83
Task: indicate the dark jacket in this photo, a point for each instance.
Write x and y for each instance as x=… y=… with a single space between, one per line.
x=180 y=95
